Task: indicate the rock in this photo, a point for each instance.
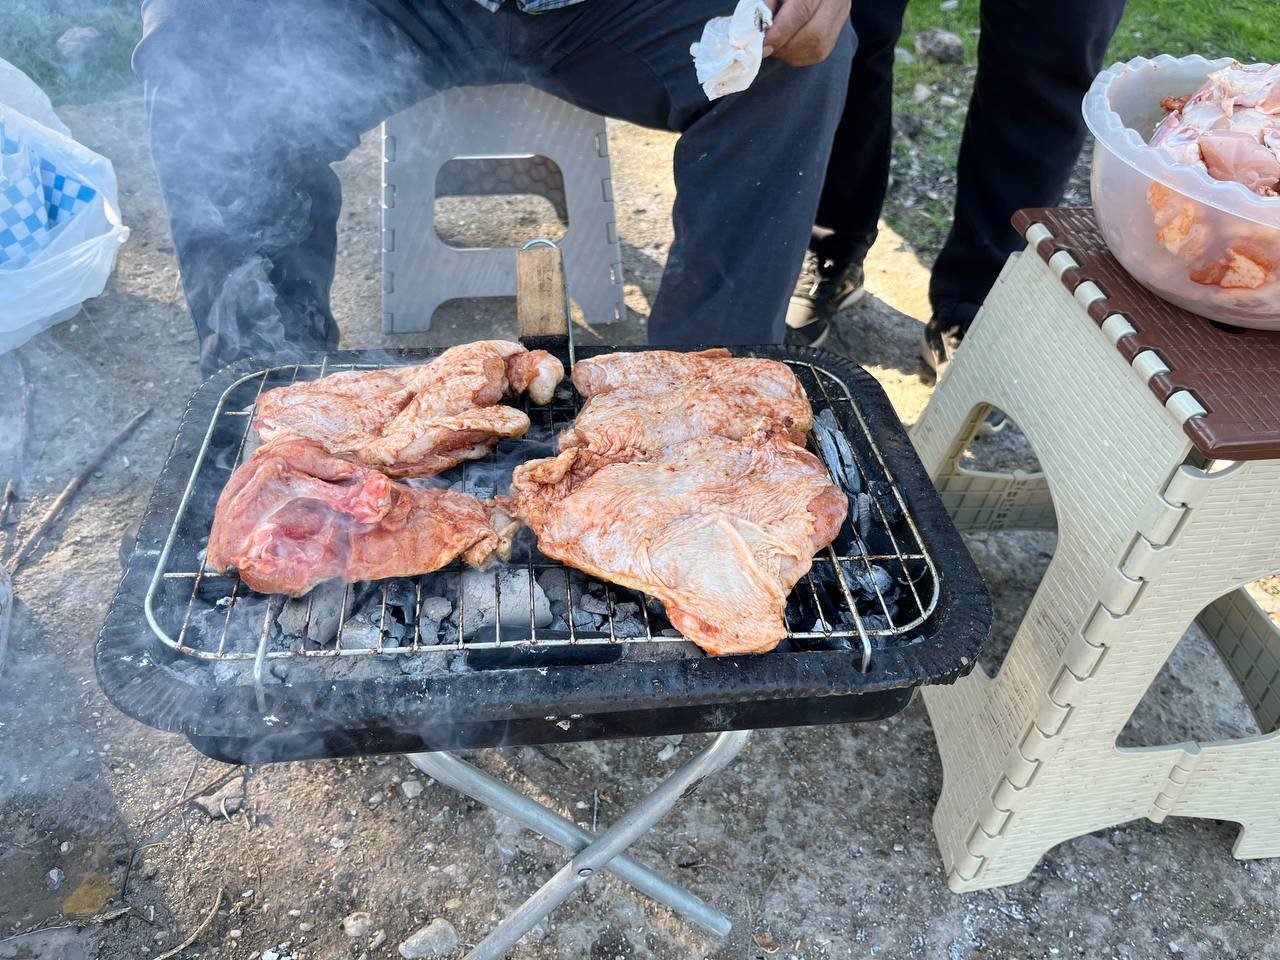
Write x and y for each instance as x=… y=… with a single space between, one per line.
x=434 y=608
x=941 y=45
x=306 y=927
x=325 y=604
x=80 y=45
x=903 y=55
x=947 y=5
x=666 y=753
x=477 y=599
x=378 y=939
x=356 y=925
x=921 y=92
x=375 y=798
x=235 y=934
x=54 y=878
x=229 y=796
x=411 y=789
x=66 y=846
x=907 y=125
x=436 y=939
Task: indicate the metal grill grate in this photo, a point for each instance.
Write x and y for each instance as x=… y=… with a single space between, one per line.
x=185 y=599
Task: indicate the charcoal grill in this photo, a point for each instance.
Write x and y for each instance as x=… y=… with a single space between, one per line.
x=189 y=650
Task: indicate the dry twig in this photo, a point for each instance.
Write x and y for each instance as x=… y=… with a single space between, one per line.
x=55 y=509
x=213 y=912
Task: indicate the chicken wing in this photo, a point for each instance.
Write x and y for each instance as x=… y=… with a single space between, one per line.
x=419 y=420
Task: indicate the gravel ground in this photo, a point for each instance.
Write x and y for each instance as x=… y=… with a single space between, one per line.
x=817 y=839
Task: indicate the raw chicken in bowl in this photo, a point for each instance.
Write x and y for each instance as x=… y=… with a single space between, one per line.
x=1185 y=181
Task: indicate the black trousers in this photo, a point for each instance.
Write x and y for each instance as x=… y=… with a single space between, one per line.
x=1022 y=134
x=250 y=101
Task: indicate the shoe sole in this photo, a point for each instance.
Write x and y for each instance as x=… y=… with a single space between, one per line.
x=927 y=356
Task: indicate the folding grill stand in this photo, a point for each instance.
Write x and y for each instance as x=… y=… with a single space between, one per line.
x=542 y=310
x=591 y=854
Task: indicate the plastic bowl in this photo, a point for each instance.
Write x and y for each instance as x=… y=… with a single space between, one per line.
x=1166 y=221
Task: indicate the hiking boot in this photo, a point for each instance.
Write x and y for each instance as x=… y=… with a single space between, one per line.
x=824 y=287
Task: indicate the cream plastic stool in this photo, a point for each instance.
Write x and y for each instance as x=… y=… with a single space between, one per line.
x=506 y=133
x=1159 y=437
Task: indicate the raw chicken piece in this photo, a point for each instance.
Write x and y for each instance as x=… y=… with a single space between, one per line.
x=641 y=404
x=719 y=530
x=415 y=421
x=294 y=516
x=1230 y=127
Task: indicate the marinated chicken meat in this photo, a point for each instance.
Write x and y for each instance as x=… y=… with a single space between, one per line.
x=419 y=420
x=1230 y=128
x=294 y=515
x=640 y=404
x=718 y=529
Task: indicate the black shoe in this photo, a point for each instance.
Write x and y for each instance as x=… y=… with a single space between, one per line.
x=943 y=334
x=824 y=287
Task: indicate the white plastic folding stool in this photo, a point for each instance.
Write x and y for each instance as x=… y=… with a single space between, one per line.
x=503 y=131
x=1150 y=537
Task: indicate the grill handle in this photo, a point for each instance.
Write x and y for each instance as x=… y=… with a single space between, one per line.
x=542 y=309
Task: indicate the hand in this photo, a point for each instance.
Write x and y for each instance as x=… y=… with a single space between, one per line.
x=805 y=31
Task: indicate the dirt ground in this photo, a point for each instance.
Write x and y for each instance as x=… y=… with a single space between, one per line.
x=817 y=838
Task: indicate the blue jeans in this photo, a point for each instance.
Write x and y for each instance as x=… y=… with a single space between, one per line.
x=251 y=101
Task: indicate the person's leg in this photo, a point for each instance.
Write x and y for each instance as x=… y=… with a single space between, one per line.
x=1022 y=134
x=748 y=167
x=857 y=179
x=858 y=172
x=249 y=102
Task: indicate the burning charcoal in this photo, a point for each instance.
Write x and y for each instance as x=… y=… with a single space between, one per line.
x=836 y=452
x=558 y=624
x=887 y=502
x=477 y=602
x=555 y=583
x=869 y=583
x=315 y=616
x=359 y=634
x=583 y=620
x=626 y=609
x=593 y=604
x=628 y=627
x=864 y=510
x=435 y=608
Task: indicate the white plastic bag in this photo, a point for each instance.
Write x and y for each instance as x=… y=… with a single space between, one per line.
x=77 y=249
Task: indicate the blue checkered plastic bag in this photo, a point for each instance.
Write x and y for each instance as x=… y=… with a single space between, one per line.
x=59 y=227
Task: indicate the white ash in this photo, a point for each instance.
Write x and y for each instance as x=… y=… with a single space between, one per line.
x=435 y=608
x=477 y=603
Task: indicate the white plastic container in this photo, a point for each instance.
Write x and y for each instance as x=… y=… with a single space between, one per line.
x=1166 y=221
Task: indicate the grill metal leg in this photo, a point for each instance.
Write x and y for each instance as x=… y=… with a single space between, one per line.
x=602 y=853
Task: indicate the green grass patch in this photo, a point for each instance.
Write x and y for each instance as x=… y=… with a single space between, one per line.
x=29 y=32
x=920 y=205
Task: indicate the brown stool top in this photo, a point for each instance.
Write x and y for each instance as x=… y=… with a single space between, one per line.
x=1234 y=373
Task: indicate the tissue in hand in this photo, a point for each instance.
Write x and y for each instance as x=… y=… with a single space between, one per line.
x=727 y=58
